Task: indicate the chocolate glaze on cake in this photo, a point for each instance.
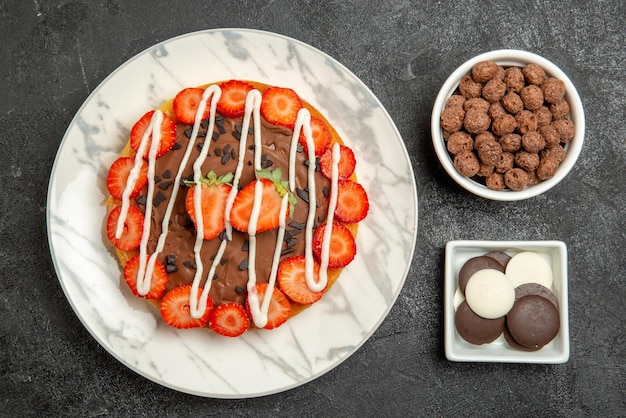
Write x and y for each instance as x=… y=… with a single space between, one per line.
x=231 y=276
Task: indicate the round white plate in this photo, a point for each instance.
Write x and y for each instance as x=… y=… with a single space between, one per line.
x=197 y=361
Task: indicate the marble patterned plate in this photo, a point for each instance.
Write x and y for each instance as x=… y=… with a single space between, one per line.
x=196 y=361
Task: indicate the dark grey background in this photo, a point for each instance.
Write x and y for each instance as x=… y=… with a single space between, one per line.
x=54 y=53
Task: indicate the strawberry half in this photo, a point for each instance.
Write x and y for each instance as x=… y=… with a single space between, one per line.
x=186 y=105
x=292 y=280
x=342 y=245
x=157 y=284
x=133 y=228
x=232 y=103
x=279 y=309
x=118 y=176
x=321 y=137
x=271 y=199
x=352 y=202
x=347 y=162
x=280 y=106
x=229 y=319
x=168 y=134
x=175 y=308
x=214 y=193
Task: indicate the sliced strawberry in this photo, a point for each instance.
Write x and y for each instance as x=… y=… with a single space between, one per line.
x=186 y=105
x=352 y=202
x=157 y=284
x=280 y=106
x=232 y=103
x=176 y=311
x=229 y=319
x=342 y=245
x=321 y=136
x=168 y=134
x=214 y=193
x=271 y=199
x=279 y=309
x=118 y=176
x=292 y=280
x=133 y=228
x=347 y=162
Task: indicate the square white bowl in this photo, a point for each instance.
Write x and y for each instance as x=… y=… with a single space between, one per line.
x=457 y=349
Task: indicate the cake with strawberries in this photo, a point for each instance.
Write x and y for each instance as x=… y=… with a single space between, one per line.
x=233 y=206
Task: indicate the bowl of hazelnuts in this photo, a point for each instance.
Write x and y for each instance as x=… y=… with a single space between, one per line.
x=508 y=125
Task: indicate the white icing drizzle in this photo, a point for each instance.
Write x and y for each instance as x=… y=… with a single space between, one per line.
x=332 y=205
x=259 y=310
x=253 y=108
x=198 y=307
x=303 y=123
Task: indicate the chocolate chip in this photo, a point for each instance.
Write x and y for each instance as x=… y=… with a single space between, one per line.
x=158 y=198
x=189 y=264
x=220 y=127
x=199 y=146
x=170 y=259
x=205 y=123
x=225 y=158
x=165 y=184
x=321 y=219
x=240 y=290
x=176 y=146
x=233 y=154
x=299 y=148
x=297 y=225
x=188 y=132
x=286 y=251
x=303 y=194
x=215 y=136
x=167 y=174
x=217 y=151
x=237 y=135
x=326 y=191
x=238 y=128
x=244 y=264
x=169 y=268
x=157 y=179
x=141 y=200
x=245 y=245
x=292 y=242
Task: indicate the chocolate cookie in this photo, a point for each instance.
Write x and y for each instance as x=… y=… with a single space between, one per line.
x=474 y=264
x=536 y=289
x=500 y=256
x=533 y=321
x=475 y=329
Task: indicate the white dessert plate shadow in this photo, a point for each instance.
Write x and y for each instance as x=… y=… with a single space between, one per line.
x=198 y=361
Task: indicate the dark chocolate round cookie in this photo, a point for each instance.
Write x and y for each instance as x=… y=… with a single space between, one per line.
x=475 y=329
x=500 y=256
x=475 y=264
x=536 y=289
x=514 y=344
x=533 y=321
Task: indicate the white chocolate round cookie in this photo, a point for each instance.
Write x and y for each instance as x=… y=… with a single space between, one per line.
x=529 y=267
x=490 y=293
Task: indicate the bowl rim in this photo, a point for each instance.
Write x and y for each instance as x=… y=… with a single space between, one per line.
x=509 y=57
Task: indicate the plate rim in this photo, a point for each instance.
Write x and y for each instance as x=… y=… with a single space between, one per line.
x=65 y=141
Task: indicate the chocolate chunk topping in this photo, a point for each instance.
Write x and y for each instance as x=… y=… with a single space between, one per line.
x=176 y=146
x=217 y=151
x=245 y=245
x=326 y=191
x=158 y=198
x=165 y=184
x=141 y=200
x=169 y=268
x=286 y=251
x=240 y=290
x=167 y=174
x=244 y=264
x=189 y=264
x=303 y=194
x=215 y=136
x=170 y=259
x=297 y=225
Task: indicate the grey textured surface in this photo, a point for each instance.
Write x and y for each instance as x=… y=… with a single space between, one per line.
x=54 y=53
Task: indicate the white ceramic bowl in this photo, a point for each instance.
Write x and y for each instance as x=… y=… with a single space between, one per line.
x=457 y=349
x=509 y=57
